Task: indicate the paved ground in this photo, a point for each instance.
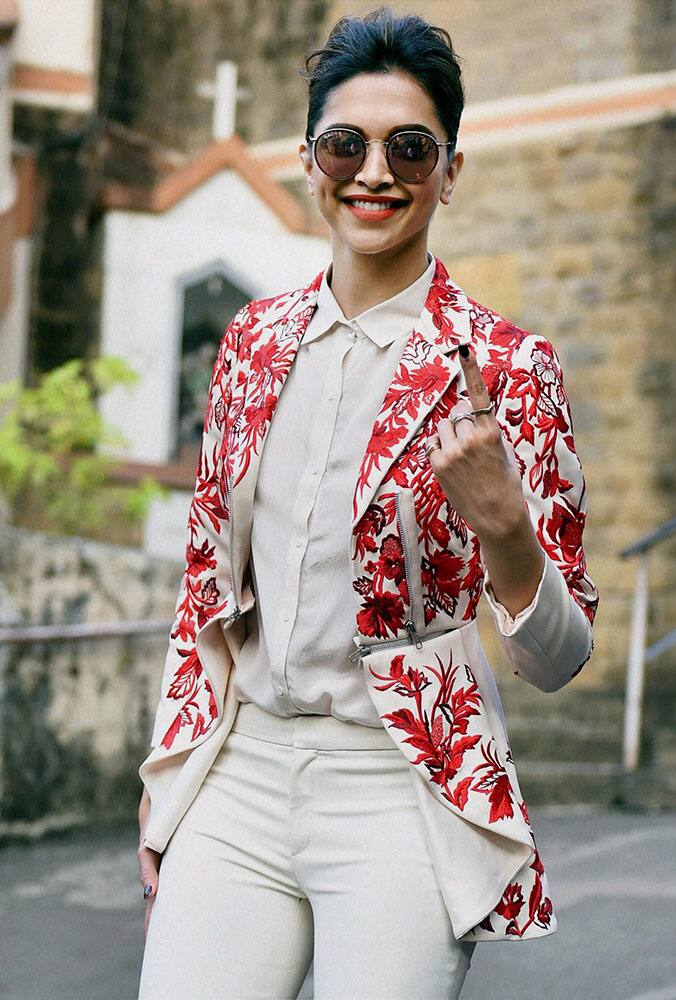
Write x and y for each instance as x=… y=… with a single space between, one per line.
x=71 y=917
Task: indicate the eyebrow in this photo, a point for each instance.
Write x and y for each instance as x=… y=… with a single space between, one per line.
x=415 y=126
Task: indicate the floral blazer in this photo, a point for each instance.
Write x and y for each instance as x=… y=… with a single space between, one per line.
x=418 y=575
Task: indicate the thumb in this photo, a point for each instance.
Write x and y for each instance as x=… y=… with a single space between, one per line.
x=149 y=864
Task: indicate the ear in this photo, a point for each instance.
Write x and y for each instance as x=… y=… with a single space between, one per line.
x=306 y=159
x=451 y=177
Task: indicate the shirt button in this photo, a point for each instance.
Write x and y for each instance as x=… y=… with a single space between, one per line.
x=299 y=543
x=279 y=690
x=315 y=472
x=330 y=396
x=286 y=618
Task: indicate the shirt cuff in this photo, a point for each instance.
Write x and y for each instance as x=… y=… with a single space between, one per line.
x=506 y=624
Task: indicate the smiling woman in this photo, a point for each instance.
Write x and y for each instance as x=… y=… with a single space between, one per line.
x=379 y=115
x=330 y=783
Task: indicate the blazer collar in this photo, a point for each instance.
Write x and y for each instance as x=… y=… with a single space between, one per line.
x=383 y=323
x=445 y=317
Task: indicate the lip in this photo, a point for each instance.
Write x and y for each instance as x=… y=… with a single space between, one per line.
x=371 y=216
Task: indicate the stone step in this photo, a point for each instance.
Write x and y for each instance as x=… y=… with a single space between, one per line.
x=603 y=707
x=565 y=783
x=664 y=750
x=551 y=783
x=649 y=788
x=564 y=740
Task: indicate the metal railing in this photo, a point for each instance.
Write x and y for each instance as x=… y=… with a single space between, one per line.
x=639 y=655
x=82 y=630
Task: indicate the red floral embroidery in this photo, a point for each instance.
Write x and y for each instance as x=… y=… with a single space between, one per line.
x=435 y=708
x=381 y=615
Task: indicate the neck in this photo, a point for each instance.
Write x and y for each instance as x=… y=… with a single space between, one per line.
x=359 y=281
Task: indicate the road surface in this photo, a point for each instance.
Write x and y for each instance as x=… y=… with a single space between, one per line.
x=71 y=913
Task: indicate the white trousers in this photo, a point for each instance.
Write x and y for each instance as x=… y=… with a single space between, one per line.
x=303 y=849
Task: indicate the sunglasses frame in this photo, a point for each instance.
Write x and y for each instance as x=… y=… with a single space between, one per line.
x=386 y=142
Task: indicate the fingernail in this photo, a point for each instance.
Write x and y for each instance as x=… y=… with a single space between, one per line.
x=464 y=350
x=147 y=890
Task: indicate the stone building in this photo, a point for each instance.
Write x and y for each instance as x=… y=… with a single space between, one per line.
x=563 y=220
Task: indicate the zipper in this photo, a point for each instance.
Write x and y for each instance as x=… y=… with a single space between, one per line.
x=237 y=613
x=365 y=650
x=414 y=638
x=409 y=624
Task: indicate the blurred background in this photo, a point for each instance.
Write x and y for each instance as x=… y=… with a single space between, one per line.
x=149 y=186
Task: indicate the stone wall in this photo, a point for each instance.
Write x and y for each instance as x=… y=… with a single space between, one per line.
x=517 y=47
x=571 y=238
x=76 y=716
x=169 y=47
x=579 y=232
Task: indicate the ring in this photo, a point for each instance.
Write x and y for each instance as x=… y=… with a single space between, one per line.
x=429 y=448
x=484 y=409
x=463 y=416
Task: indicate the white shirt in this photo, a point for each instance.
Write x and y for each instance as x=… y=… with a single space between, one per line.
x=294 y=660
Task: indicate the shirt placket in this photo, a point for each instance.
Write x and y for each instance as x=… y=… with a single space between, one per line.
x=321 y=434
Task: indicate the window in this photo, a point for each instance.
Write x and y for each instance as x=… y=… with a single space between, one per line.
x=209 y=303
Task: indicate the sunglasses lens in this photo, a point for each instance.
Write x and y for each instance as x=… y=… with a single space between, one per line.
x=412 y=155
x=340 y=153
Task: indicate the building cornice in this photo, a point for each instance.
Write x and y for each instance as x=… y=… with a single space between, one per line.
x=554 y=114
x=231 y=153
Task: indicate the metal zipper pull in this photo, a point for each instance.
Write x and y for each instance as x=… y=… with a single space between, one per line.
x=359 y=652
x=235 y=616
x=413 y=635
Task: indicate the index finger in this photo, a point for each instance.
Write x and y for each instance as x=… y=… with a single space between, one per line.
x=476 y=387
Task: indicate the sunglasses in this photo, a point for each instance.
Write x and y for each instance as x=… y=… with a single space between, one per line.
x=411 y=156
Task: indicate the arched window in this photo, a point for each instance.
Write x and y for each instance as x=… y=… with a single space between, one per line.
x=209 y=301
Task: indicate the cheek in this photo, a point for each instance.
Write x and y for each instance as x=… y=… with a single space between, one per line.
x=325 y=191
x=426 y=199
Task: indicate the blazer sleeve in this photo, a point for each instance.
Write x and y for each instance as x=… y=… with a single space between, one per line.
x=548 y=642
x=205 y=559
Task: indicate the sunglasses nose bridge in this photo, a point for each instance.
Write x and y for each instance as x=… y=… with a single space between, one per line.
x=381 y=161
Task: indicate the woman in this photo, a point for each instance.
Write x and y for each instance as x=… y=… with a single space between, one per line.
x=320 y=796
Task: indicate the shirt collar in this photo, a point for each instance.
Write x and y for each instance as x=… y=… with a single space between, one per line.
x=383 y=323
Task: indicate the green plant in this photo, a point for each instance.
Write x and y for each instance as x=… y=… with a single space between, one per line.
x=52 y=449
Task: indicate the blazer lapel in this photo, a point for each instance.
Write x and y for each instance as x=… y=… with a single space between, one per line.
x=428 y=365
x=274 y=338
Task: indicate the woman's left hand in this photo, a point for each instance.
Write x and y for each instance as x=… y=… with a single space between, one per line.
x=478 y=474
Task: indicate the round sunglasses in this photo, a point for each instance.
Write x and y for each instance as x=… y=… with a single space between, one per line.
x=412 y=156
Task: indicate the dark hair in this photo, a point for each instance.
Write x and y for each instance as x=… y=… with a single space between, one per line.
x=382 y=41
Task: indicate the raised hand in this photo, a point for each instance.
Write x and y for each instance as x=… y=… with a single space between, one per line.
x=474 y=465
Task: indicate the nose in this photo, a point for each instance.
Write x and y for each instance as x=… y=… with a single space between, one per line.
x=375 y=170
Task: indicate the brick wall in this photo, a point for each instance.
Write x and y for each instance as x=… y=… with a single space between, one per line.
x=515 y=47
x=580 y=232
x=569 y=237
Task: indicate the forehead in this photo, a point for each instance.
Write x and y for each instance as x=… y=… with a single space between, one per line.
x=377 y=102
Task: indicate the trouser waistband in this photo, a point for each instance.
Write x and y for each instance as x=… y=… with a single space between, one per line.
x=311 y=732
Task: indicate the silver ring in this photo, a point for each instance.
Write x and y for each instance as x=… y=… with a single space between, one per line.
x=429 y=448
x=462 y=416
x=484 y=409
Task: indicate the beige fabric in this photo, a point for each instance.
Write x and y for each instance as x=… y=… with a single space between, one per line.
x=295 y=659
x=321 y=860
